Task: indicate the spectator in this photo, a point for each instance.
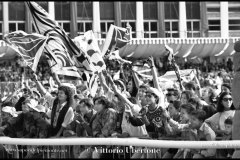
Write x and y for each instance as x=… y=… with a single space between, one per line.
x=225 y=109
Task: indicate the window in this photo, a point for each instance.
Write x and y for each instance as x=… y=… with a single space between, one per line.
x=193 y=10
x=150 y=29
x=193 y=28
x=171 y=28
x=84 y=17
x=132 y=24
x=62 y=10
x=107 y=10
x=150 y=19
x=214 y=25
x=234 y=7
x=128 y=10
x=150 y=10
x=171 y=21
x=171 y=10
x=62 y=15
x=85 y=10
x=234 y=24
x=105 y=25
x=84 y=26
x=213 y=6
x=16 y=16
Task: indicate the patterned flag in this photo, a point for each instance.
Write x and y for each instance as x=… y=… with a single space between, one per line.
x=45 y=25
x=29 y=46
x=88 y=43
x=116 y=37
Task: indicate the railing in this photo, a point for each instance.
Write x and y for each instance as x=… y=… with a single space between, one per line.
x=62 y=147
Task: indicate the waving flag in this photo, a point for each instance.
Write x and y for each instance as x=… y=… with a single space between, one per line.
x=29 y=46
x=45 y=25
x=117 y=36
x=88 y=43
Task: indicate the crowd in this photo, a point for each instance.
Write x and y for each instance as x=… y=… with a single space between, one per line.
x=125 y=107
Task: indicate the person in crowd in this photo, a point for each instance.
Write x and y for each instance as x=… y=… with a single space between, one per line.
x=23 y=125
x=61 y=108
x=172 y=94
x=226 y=153
x=209 y=95
x=174 y=113
x=210 y=110
x=185 y=96
x=180 y=127
x=201 y=131
x=225 y=109
x=196 y=102
x=103 y=125
x=225 y=87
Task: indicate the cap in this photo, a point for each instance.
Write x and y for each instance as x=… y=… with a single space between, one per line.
x=10 y=110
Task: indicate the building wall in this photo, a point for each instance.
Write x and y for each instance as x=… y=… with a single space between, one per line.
x=160 y=19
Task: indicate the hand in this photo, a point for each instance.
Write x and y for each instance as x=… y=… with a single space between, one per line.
x=165 y=113
x=80 y=118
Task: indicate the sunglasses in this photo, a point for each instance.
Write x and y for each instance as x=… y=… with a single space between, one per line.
x=149 y=95
x=170 y=101
x=170 y=94
x=227 y=99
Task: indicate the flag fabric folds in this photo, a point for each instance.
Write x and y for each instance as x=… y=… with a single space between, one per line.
x=88 y=43
x=29 y=46
x=45 y=25
x=116 y=37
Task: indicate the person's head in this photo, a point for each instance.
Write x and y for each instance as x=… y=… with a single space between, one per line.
x=47 y=87
x=225 y=102
x=15 y=99
x=152 y=96
x=172 y=94
x=209 y=94
x=65 y=94
x=196 y=118
x=174 y=107
x=77 y=98
x=101 y=103
x=130 y=86
x=228 y=125
x=120 y=85
x=185 y=96
x=196 y=102
x=84 y=106
x=142 y=91
x=185 y=111
x=191 y=87
x=27 y=104
x=225 y=87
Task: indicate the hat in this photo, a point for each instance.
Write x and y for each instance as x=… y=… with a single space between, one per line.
x=10 y=110
x=40 y=108
x=153 y=91
x=31 y=103
x=70 y=85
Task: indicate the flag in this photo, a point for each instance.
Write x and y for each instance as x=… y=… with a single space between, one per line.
x=88 y=43
x=45 y=25
x=91 y=82
x=29 y=46
x=117 y=37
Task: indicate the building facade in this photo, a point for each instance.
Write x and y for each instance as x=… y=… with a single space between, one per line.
x=148 y=19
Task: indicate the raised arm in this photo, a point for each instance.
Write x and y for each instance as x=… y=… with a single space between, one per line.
x=40 y=87
x=103 y=82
